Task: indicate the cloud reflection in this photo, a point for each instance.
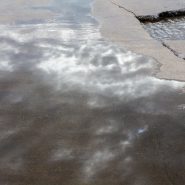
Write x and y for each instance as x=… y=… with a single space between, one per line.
x=85 y=112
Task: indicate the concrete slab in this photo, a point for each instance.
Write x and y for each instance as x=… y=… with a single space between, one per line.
x=149 y=7
x=121 y=26
x=177 y=46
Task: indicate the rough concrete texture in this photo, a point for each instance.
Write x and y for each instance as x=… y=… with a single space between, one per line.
x=121 y=26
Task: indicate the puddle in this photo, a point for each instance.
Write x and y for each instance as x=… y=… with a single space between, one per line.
x=167 y=29
x=76 y=109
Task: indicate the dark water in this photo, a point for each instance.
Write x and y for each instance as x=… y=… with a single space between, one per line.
x=167 y=29
x=77 y=110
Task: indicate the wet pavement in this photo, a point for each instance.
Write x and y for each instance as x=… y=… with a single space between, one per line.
x=78 y=110
x=167 y=29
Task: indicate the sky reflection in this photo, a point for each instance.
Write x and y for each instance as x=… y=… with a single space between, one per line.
x=76 y=109
x=168 y=29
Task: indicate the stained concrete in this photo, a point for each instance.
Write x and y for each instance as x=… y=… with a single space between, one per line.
x=119 y=24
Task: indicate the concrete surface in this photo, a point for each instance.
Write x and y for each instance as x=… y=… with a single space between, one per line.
x=34 y=10
x=149 y=7
x=121 y=26
x=177 y=46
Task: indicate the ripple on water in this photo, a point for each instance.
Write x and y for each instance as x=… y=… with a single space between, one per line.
x=167 y=29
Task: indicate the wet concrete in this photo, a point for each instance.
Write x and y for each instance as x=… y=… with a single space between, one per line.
x=20 y=11
x=76 y=109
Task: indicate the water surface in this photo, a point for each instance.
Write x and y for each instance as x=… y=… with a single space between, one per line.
x=78 y=110
x=167 y=29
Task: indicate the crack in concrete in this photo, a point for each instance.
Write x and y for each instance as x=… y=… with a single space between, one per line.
x=119 y=6
x=172 y=50
x=152 y=18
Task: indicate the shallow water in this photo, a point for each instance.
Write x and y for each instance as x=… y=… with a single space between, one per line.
x=76 y=109
x=167 y=29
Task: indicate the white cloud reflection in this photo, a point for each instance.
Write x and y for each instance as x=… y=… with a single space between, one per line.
x=107 y=70
x=90 y=96
x=97 y=162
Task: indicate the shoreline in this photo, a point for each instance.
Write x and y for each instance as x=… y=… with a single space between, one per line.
x=120 y=25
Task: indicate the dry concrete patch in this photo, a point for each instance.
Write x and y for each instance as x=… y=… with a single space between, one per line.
x=176 y=46
x=151 y=10
x=119 y=24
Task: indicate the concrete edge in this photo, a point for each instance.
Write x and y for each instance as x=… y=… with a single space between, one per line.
x=134 y=37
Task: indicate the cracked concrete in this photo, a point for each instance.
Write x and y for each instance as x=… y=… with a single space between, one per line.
x=149 y=7
x=22 y=11
x=119 y=24
x=176 y=46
